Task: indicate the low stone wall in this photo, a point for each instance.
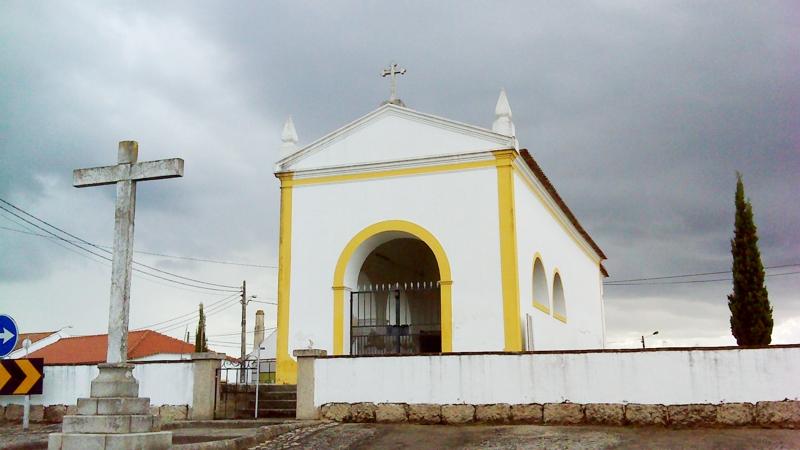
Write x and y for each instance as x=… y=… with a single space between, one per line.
x=784 y=414
x=56 y=413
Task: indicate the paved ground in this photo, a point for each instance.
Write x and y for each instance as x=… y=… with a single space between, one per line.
x=331 y=435
x=372 y=436
x=11 y=435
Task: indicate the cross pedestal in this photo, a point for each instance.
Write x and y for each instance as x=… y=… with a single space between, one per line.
x=114 y=416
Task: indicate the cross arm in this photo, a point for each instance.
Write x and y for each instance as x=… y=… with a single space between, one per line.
x=147 y=170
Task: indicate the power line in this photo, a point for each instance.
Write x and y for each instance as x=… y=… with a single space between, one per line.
x=238 y=333
x=103 y=249
x=696 y=281
x=109 y=259
x=196 y=315
x=192 y=319
x=693 y=275
x=190 y=258
x=187 y=314
x=105 y=262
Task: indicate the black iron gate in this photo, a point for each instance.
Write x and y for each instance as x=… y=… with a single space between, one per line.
x=398 y=318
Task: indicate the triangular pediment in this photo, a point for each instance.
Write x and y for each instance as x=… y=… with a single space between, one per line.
x=393 y=133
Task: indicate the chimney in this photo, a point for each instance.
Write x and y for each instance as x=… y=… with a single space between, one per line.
x=258 y=333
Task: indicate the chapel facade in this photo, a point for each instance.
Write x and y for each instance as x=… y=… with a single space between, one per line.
x=407 y=233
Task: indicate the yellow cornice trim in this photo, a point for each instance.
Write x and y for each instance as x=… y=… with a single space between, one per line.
x=541 y=307
x=422 y=234
x=394 y=173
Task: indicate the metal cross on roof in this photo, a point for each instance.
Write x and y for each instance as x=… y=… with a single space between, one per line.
x=392 y=72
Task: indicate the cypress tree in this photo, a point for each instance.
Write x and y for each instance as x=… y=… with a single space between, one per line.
x=200 y=343
x=751 y=313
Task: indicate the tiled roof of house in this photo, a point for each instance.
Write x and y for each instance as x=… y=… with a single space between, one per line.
x=92 y=349
x=32 y=336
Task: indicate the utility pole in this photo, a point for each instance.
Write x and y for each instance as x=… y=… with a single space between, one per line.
x=244 y=324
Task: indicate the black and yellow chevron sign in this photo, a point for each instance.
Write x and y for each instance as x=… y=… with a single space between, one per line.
x=21 y=376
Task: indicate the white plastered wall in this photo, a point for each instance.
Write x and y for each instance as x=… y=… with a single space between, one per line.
x=167 y=383
x=459 y=208
x=393 y=134
x=538 y=231
x=662 y=376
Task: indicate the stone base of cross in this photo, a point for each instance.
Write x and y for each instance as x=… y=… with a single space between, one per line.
x=114 y=416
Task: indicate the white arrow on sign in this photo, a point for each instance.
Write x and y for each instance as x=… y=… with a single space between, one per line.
x=6 y=335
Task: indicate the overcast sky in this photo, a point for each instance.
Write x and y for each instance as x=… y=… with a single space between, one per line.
x=639 y=112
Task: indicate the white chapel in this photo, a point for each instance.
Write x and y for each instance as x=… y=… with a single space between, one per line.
x=407 y=233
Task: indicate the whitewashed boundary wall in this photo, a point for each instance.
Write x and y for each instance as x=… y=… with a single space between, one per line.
x=672 y=376
x=165 y=383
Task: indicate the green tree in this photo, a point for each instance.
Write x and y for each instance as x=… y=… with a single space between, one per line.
x=751 y=313
x=200 y=342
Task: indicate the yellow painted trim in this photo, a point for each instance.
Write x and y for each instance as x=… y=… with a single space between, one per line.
x=541 y=307
x=556 y=216
x=538 y=305
x=338 y=319
x=422 y=234
x=286 y=366
x=390 y=173
x=508 y=249
x=558 y=316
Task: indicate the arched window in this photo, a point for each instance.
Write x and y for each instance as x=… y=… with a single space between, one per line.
x=541 y=298
x=559 y=303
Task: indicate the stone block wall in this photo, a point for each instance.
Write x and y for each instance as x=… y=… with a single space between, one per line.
x=56 y=413
x=784 y=414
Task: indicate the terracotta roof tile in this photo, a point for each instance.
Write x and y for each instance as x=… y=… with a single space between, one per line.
x=539 y=173
x=92 y=349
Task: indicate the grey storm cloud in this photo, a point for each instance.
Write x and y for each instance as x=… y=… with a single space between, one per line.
x=640 y=113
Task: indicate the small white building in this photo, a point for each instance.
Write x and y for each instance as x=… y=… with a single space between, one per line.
x=404 y=233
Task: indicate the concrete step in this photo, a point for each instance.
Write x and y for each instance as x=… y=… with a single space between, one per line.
x=288 y=413
x=279 y=388
x=274 y=404
x=111 y=424
x=82 y=441
x=266 y=413
x=277 y=396
x=113 y=406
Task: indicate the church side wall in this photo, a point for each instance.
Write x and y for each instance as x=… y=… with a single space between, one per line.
x=538 y=231
x=458 y=208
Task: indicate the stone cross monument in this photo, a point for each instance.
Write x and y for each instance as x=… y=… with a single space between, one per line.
x=114 y=416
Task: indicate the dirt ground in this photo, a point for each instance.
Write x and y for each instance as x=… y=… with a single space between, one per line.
x=375 y=436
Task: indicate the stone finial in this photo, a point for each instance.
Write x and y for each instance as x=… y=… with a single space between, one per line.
x=502 y=112
x=288 y=138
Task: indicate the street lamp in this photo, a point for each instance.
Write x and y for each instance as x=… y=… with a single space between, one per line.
x=654 y=333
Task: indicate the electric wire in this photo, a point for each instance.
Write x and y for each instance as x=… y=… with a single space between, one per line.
x=693 y=275
x=190 y=320
x=109 y=259
x=190 y=258
x=238 y=333
x=103 y=249
x=695 y=281
x=103 y=262
x=210 y=305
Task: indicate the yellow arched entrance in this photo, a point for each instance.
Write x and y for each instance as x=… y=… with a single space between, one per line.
x=389 y=226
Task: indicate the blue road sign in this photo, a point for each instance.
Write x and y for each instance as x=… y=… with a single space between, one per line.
x=8 y=335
